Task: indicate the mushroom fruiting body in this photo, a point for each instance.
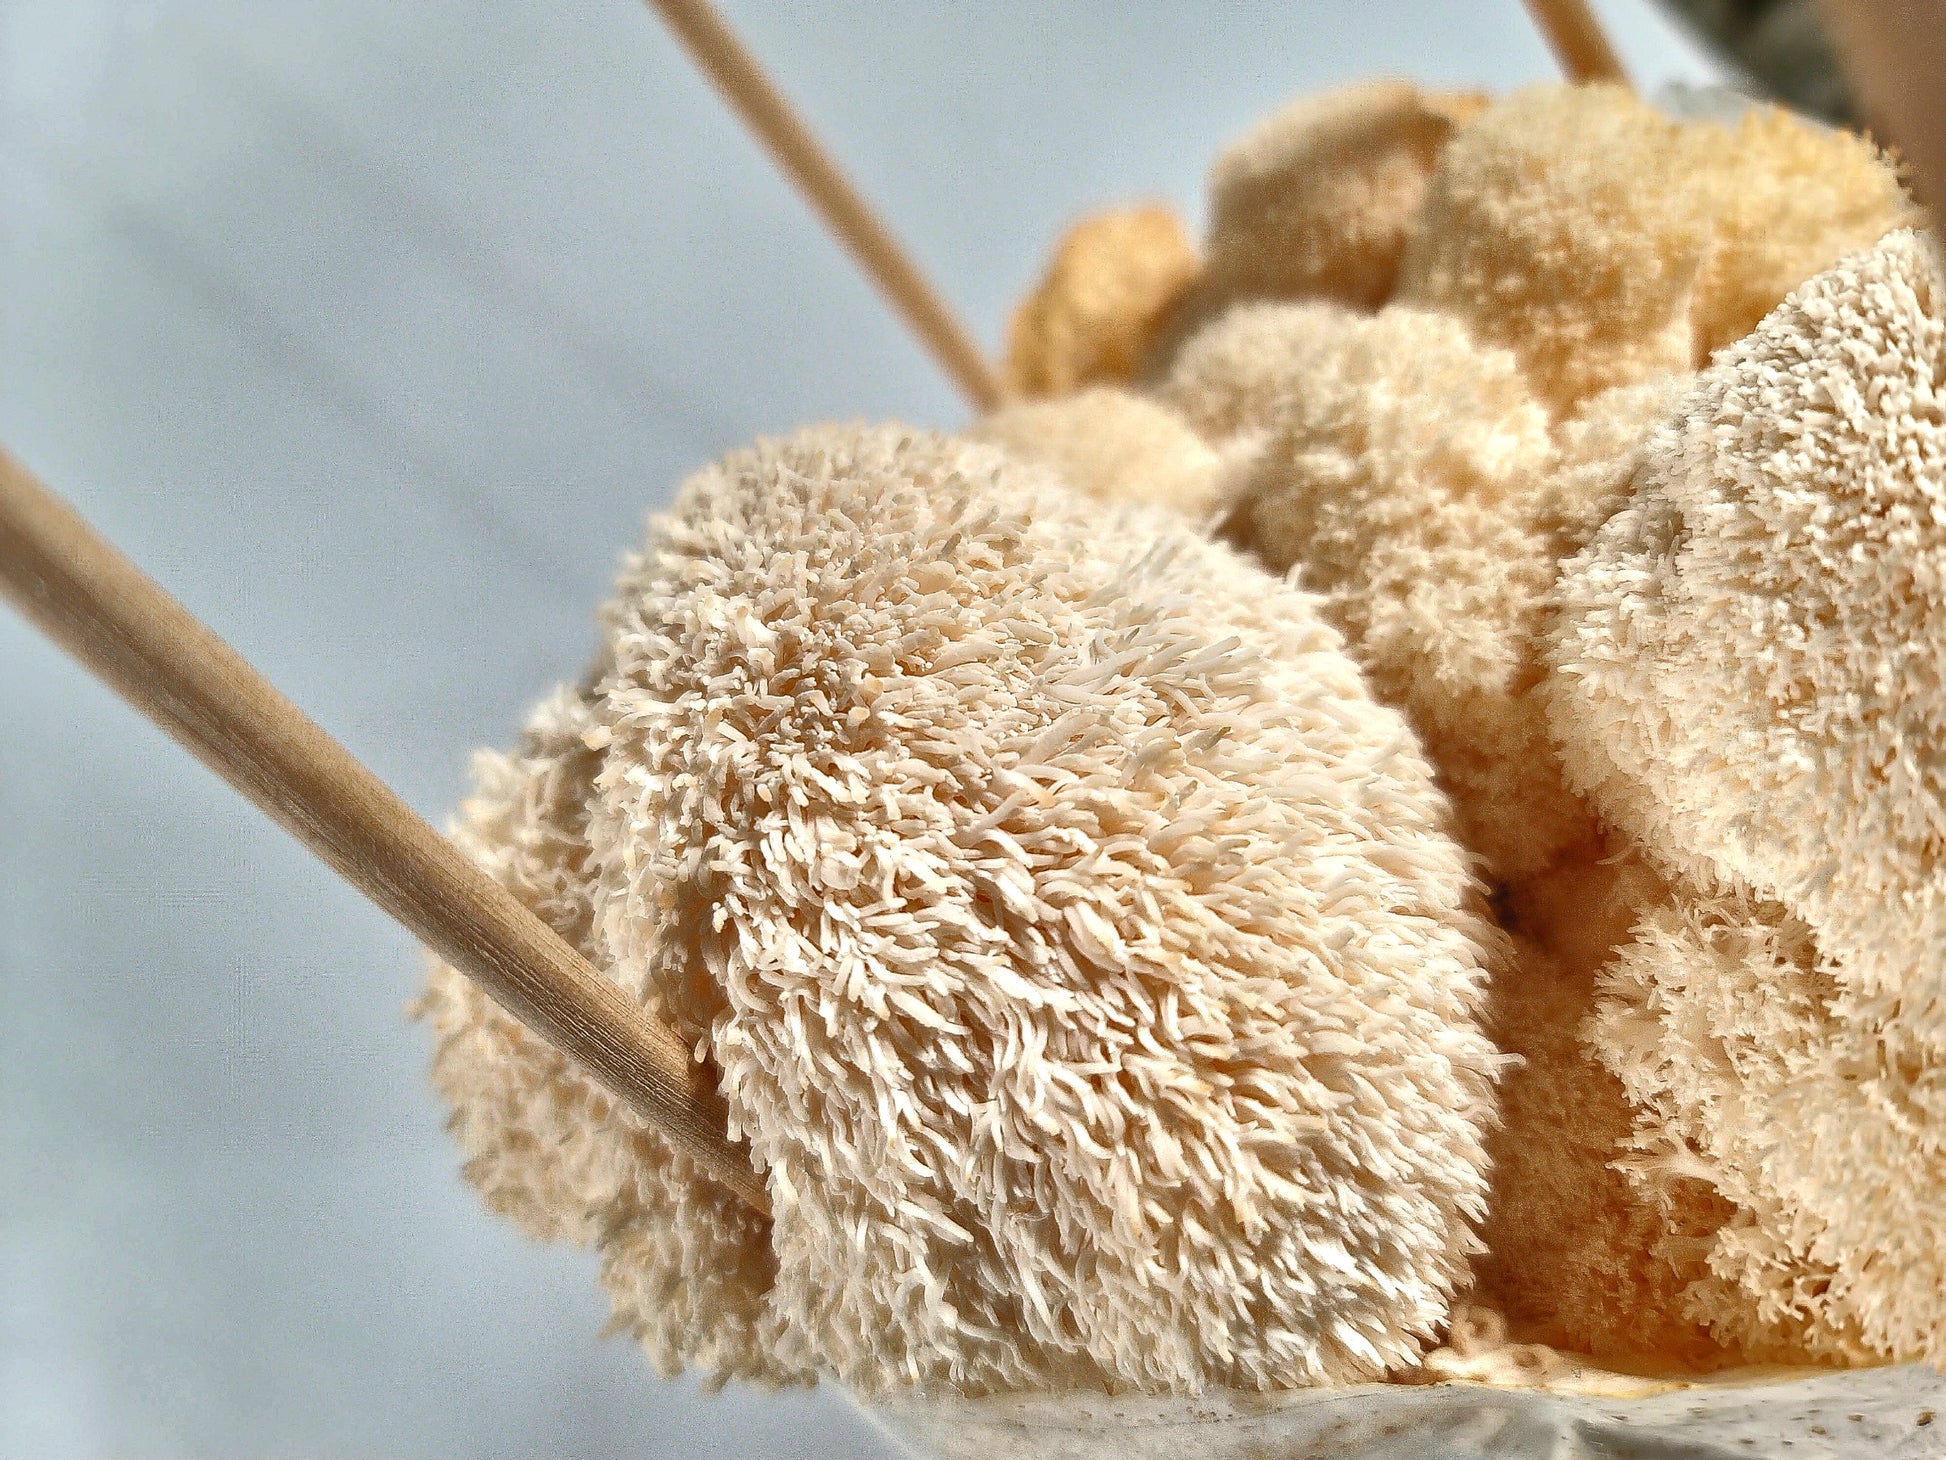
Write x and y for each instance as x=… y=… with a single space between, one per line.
x=1078 y=945
x=1045 y=837
x=1113 y=445
x=1113 y=282
x=1428 y=467
x=1751 y=682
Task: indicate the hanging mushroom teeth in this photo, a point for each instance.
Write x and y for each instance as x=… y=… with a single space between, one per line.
x=1427 y=469
x=1077 y=944
x=1078 y=914
x=1752 y=683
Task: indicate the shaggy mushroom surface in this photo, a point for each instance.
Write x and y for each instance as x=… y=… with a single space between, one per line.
x=1078 y=945
x=1477 y=620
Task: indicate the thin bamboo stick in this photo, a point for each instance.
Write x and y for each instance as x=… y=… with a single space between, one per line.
x=744 y=84
x=101 y=608
x=1577 y=40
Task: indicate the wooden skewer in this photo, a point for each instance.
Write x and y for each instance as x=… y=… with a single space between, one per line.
x=1577 y=40
x=1895 y=54
x=744 y=84
x=152 y=651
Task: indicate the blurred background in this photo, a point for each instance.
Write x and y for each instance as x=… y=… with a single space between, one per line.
x=372 y=330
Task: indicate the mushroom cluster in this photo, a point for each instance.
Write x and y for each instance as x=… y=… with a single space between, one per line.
x=1407 y=766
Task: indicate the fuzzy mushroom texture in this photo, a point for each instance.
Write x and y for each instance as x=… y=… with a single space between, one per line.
x=1752 y=1088
x=1078 y=945
x=1395 y=481
x=1599 y=241
x=1787 y=199
x=1577 y=1258
x=1115 y=446
x=1410 y=477
x=1428 y=469
x=1113 y=279
x=1752 y=654
x=1231 y=381
x=1751 y=681
x=1316 y=199
x=1314 y=202
x=1416 y=484
x=1605 y=244
x=687 y=1267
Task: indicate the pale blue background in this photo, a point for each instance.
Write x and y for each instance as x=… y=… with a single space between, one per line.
x=371 y=328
